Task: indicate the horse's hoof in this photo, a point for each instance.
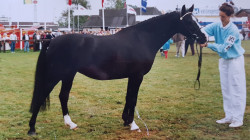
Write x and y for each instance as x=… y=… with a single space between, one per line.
x=32 y=133
x=134 y=126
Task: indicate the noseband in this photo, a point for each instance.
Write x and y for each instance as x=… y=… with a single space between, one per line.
x=195 y=37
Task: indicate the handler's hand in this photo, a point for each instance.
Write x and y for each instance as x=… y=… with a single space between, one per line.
x=203 y=45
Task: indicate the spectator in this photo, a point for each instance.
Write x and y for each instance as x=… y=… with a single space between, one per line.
x=0 y=42
x=39 y=37
x=166 y=47
x=189 y=41
x=243 y=33
x=6 y=42
x=48 y=35
x=13 y=39
x=36 y=42
x=26 y=39
x=180 y=44
x=43 y=35
x=58 y=33
x=231 y=66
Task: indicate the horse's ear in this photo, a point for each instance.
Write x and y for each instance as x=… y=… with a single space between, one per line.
x=191 y=9
x=183 y=10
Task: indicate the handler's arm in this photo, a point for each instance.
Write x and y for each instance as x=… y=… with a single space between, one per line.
x=223 y=48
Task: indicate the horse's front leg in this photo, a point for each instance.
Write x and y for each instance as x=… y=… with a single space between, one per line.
x=64 y=97
x=134 y=83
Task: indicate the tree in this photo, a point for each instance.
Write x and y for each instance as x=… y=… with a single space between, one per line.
x=63 y=21
x=115 y=4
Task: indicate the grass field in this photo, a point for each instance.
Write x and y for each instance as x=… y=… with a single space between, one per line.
x=167 y=102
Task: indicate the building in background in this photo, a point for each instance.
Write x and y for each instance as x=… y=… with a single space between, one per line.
x=116 y=18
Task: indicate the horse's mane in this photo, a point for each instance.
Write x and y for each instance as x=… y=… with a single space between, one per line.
x=146 y=22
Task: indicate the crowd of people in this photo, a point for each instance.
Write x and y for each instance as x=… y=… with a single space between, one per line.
x=38 y=36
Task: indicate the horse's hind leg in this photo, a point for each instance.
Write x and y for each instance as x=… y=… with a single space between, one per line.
x=48 y=88
x=64 y=97
x=134 y=83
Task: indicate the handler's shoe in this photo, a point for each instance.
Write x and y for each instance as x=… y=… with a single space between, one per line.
x=224 y=120
x=236 y=124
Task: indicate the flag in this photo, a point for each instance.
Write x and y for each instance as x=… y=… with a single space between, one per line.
x=130 y=10
x=81 y=8
x=27 y=1
x=125 y=5
x=70 y=2
x=102 y=3
x=144 y=5
x=82 y=11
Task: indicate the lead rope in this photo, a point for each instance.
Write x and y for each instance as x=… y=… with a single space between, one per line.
x=141 y=120
x=199 y=67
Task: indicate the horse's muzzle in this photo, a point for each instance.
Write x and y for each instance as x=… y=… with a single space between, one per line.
x=201 y=39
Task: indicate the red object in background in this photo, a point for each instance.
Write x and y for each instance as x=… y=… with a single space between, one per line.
x=102 y=3
x=13 y=26
x=248 y=24
x=17 y=32
x=1 y=27
x=166 y=54
x=35 y=1
x=70 y=2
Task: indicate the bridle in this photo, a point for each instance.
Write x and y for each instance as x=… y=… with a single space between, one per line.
x=195 y=37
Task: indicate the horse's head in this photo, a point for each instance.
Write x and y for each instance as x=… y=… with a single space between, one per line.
x=189 y=26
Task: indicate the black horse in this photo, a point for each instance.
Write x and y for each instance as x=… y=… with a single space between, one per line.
x=129 y=53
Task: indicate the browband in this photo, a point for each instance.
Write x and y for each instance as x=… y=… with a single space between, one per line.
x=181 y=18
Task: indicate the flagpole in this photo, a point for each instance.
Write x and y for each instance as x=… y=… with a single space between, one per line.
x=73 y=26
x=69 y=17
x=103 y=21
x=127 y=13
x=21 y=35
x=35 y=12
x=140 y=10
x=78 y=17
x=78 y=23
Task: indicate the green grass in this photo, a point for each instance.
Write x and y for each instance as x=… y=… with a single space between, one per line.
x=167 y=102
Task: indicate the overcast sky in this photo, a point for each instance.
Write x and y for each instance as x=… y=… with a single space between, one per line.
x=48 y=10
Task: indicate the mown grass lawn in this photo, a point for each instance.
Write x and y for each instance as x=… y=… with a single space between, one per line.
x=167 y=102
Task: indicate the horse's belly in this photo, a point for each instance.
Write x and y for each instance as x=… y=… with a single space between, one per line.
x=94 y=73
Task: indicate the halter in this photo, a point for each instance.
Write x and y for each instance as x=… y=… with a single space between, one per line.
x=181 y=18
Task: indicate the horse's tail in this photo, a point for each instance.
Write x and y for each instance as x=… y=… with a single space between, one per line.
x=38 y=92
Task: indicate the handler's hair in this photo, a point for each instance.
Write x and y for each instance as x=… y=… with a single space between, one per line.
x=227 y=8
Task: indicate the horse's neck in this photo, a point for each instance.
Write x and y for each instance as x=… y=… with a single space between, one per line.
x=158 y=30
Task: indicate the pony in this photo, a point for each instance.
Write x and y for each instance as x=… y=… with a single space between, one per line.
x=129 y=53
